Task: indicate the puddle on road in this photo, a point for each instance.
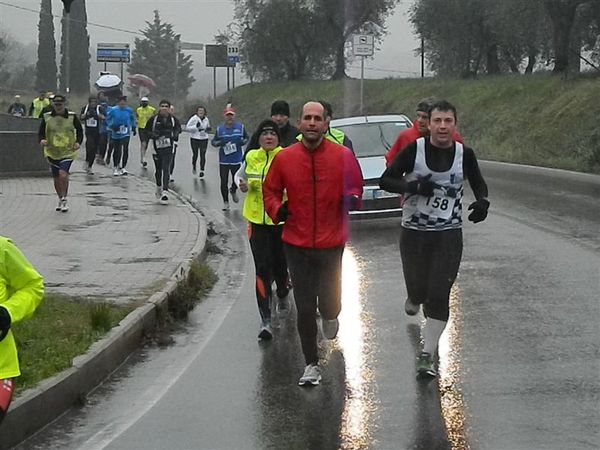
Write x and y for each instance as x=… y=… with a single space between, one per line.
x=140 y=260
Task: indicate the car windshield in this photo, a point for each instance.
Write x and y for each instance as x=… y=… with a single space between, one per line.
x=373 y=139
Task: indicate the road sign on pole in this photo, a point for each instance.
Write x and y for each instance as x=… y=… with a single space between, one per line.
x=191 y=46
x=363 y=45
x=233 y=54
x=110 y=52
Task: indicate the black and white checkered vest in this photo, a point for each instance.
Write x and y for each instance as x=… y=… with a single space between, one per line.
x=442 y=211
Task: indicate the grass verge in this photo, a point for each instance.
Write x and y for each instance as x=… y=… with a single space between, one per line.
x=61 y=329
x=200 y=280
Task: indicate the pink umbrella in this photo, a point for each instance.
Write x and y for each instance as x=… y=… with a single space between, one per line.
x=141 y=81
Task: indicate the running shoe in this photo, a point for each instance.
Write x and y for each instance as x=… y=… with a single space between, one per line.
x=158 y=192
x=226 y=206
x=124 y=172
x=164 y=198
x=330 y=328
x=234 y=197
x=116 y=172
x=411 y=308
x=425 y=366
x=266 y=332
x=194 y=171
x=201 y=174
x=171 y=180
x=64 y=207
x=59 y=206
x=311 y=376
x=144 y=164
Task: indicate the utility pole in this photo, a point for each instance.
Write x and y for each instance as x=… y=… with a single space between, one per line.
x=422 y=57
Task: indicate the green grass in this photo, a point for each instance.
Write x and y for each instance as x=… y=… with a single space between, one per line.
x=200 y=280
x=540 y=120
x=61 y=329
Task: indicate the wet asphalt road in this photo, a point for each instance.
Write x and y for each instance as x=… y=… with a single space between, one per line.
x=519 y=361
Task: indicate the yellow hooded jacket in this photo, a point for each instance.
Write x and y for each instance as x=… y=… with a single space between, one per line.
x=21 y=291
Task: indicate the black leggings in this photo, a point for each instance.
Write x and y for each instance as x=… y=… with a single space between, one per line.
x=120 y=148
x=269 y=262
x=430 y=261
x=224 y=170
x=162 y=161
x=199 y=145
x=317 y=279
x=92 y=143
x=102 y=145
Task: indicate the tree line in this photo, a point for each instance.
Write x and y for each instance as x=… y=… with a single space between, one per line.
x=468 y=37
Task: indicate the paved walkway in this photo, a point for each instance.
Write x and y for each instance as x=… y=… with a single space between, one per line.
x=116 y=242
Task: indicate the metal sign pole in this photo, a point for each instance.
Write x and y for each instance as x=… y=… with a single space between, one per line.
x=214 y=82
x=233 y=77
x=362 y=79
x=68 y=53
x=228 y=87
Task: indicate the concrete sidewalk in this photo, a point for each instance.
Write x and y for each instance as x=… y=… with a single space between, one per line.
x=117 y=243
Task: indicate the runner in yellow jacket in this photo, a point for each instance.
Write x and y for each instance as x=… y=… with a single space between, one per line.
x=264 y=235
x=21 y=291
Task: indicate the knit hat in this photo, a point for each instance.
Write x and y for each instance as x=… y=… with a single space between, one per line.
x=280 y=107
x=268 y=125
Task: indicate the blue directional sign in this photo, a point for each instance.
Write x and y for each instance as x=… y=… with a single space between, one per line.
x=233 y=60
x=119 y=53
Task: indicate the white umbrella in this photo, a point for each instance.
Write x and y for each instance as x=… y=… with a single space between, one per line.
x=108 y=81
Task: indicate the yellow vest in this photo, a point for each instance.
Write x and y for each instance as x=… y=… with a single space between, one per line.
x=258 y=162
x=143 y=115
x=61 y=136
x=21 y=291
x=38 y=105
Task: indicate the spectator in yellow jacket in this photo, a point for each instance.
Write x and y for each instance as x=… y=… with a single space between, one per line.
x=21 y=291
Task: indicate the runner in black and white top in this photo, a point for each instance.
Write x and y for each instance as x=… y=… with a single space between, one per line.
x=430 y=173
x=164 y=129
x=91 y=116
x=199 y=127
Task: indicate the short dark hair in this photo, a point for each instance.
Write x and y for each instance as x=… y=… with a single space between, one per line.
x=327 y=107
x=203 y=107
x=444 y=106
x=164 y=102
x=122 y=98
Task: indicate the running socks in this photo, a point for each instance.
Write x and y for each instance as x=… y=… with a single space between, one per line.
x=432 y=330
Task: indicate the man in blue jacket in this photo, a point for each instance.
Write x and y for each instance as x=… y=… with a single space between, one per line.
x=230 y=137
x=121 y=123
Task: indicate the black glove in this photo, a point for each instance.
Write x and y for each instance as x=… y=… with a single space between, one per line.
x=422 y=186
x=480 y=210
x=4 y=322
x=134 y=131
x=282 y=213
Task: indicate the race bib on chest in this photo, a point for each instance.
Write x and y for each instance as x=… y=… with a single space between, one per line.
x=123 y=129
x=229 y=148
x=437 y=206
x=163 y=142
x=91 y=122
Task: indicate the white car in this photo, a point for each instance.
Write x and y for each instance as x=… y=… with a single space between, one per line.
x=372 y=137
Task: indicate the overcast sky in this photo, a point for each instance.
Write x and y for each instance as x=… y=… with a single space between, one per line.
x=199 y=21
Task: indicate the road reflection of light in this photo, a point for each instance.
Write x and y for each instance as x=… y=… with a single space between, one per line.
x=452 y=403
x=354 y=325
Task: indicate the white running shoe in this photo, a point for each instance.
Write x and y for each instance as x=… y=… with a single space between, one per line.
x=64 y=207
x=59 y=206
x=171 y=180
x=116 y=172
x=158 y=192
x=124 y=171
x=330 y=328
x=311 y=376
x=226 y=206
x=164 y=198
x=234 y=197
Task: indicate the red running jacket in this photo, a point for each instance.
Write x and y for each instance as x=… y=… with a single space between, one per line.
x=409 y=136
x=318 y=185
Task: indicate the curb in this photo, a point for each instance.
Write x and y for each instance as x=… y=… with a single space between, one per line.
x=39 y=406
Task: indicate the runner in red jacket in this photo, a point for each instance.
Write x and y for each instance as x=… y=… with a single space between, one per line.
x=322 y=181
x=419 y=129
